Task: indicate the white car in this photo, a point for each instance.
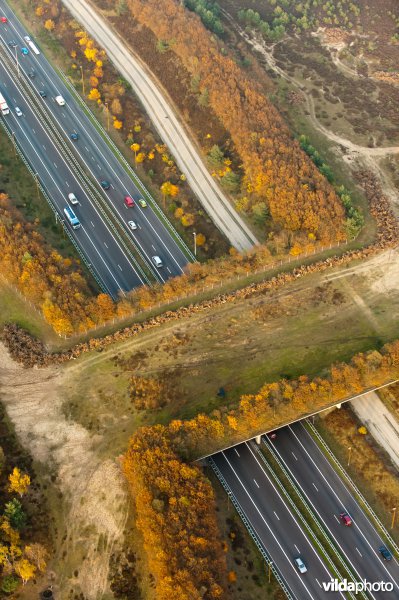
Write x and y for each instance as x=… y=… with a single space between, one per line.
x=132 y=224
x=300 y=565
x=26 y=38
x=157 y=261
x=60 y=100
x=72 y=199
x=18 y=111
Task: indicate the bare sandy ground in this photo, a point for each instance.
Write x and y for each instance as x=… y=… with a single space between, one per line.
x=93 y=507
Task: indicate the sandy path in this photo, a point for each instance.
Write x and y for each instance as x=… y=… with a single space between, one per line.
x=94 y=503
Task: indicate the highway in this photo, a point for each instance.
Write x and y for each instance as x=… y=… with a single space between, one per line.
x=164 y=117
x=151 y=237
x=273 y=522
x=328 y=496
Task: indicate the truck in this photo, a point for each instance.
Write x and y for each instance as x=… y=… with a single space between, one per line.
x=3 y=105
x=72 y=218
x=33 y=47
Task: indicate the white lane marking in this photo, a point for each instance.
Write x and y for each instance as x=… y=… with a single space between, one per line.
x=337 y=519
x=314 y=485
x=297 y=549
x=278 y=518
x=256 y=483
x=44 y=147
x=98 y=166
x=294 y=455
x=167 y=268
x=92 y=223
x=105 y=245
x=269 y=528
x=359 y=552
x=86 y=148
x=34 y=131
x=152 y=246
x=67 y=183
x=120 y=267
x=55 y=165
x=318 y=582
x=339 y=499
x=92 y=158
x=236 y=451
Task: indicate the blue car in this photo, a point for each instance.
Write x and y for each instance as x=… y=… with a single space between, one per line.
x=24 y=50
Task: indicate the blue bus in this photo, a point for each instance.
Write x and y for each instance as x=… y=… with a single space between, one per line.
x=72 y=218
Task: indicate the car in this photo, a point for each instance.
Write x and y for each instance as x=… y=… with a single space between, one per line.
x=157 y=261
x=74 y=137
x=129 y=202
x=24 y=50
x=12 y=43
x=142 y=202
x=345 y=518
x=132 y=224
x=386 y=554
x=300 y=565
x=26 y=38
x=4 y=19
x=105 y=184
x=18 y=111
x=31 y=73
x=72 y=199
x=60 y=100
x=272 y=435
x=43 y=93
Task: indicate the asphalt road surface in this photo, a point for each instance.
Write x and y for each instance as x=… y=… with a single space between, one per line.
x=273 y=522
x=328 y=496
x=170 y=128
x=151 y=236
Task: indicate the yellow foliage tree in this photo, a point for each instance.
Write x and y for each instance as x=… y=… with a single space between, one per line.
x=93 y=81
x=187 y=220
x=49 y=25
x=94 y=94
x=19 y=482
x=39 y=11
x=25 y=570
x=201 y=239
x=140 y=157
x=118 y=124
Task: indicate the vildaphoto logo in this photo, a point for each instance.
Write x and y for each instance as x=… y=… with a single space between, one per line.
x=343 y=585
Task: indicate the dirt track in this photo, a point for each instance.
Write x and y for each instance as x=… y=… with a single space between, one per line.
x=93 y=508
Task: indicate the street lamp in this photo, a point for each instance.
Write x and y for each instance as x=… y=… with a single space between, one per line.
x=195 y=243
x=83 y=80
x=106 y=106
x=393 y=517
x=36 y=178
x=349 y=455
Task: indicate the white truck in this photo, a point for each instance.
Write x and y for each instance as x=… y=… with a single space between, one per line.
x=3 y=105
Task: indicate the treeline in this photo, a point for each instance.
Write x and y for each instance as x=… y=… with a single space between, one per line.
x=175 y=512
x=51 y=282
x=276 y=173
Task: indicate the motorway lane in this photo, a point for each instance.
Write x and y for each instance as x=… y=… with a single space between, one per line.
x=152 y=237
x=273 y=522
x=107 y=258
x=171 y=130
x=329 y=496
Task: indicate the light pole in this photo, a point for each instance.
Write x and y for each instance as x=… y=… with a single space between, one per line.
x=349 y=455
x=13 y=144
x=195 y=243
x=106 y=106
x=16 y=58
x=36 y=177
x=393 y=517
x=83 y=81
x=270 y=571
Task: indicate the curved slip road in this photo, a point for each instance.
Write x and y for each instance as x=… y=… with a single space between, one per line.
x=168 y=126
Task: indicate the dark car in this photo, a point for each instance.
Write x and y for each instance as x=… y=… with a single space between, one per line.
x=386 y=555
x=12 y=44
x=31 y=73
x=346 y=520
x=272 y=435
x=75 y=137
x=105 y=184
x=43 y=93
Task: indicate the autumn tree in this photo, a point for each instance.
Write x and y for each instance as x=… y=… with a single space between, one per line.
x=19 y=482
x=49 y=24
x=25 y=570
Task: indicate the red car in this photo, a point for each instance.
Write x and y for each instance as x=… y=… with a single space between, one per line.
x=4 y=19
x=129 y=202
x=272 y=435
x=346 y=520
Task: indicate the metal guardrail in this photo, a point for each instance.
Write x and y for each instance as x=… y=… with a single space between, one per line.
x=251 y=531
x=131 y=171
x=353 y=485
x=53 y=206
x=73 y=163
x=315 y=520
